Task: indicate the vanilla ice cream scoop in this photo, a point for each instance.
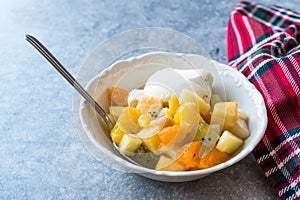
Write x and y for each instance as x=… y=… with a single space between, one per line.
x=170 y=82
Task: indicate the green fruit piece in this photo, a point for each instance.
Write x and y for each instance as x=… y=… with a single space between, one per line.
x=209 y=141
x=202 y=131
x=145 y=158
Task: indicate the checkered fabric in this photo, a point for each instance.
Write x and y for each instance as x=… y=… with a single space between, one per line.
x=263 y=44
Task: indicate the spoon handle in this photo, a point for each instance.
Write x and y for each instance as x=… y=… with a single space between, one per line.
x=60 y=68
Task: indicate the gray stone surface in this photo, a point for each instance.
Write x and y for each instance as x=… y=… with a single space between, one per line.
x=41 y=155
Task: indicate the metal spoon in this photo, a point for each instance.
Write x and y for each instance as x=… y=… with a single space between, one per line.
x=60 y=68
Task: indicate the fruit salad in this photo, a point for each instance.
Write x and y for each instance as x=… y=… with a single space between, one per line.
x=177 y=124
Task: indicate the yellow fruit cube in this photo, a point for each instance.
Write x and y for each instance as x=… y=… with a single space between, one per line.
x=115 y=111
x=190 y=96
x=150 y=137
x=128 y=120
x=188 y=113
x=229 y=143
x=225 y=114
x=116 y=134
x=129 y=143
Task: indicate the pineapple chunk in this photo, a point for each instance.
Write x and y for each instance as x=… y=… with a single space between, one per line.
x=190 y=96
x=150 y=137
x=231 y=114
x=167 y=164
x=225 y=114
x=128 y=120
x=188 y=114
x=129 y=143
x=115 y=111
x=229 y=143
x=204 y=107
x=240 y=129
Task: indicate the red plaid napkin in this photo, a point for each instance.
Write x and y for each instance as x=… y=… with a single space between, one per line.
x=263 y=44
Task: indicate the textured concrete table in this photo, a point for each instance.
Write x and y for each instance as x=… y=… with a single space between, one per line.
x=41 y=155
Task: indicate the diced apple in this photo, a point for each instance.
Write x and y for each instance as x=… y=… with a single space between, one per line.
x=129 y=143
x=229 y=143
x=167 y=164
x=240 y=129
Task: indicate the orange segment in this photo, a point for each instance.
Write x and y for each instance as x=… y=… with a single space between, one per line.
x=116 y=134
x=214 y=157
x=188 y=155
x=168 y=134
x=145 y=103
x=173 y=106
x=118 y=96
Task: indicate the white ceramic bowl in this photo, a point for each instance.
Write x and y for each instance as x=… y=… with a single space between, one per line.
x=237 y=87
